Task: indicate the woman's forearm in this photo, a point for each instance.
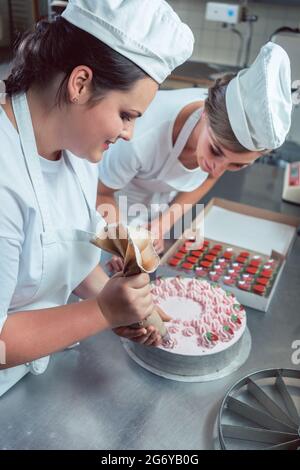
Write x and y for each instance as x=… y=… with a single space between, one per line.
x=182 y=203
x=92 y=284
x=36 y=333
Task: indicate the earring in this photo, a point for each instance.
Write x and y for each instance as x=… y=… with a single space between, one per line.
x=75 y=100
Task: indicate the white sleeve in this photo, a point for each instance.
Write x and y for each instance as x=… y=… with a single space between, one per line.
x=11 y=241
x=9 y=256
x=119 y=165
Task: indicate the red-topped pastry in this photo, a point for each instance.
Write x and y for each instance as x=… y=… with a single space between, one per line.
x=214 y=276
x=210 y=257
x=217 y=267
x=255 y=262
x=267 y=273
x=174 y=261
x=236 y=266
x=205 y=264
x=228 y=280
x=252 y=269
x=214 y=252
x=179 y=255
x=200 y=271
x=263 y=280
x=188 y=266
x=197 y=253
x=228 y=253
x=232 y=273
x=192 y=259
x=244 y=285
x=217 y=247
x=267 y=267
x=259 y=289
x=244 y=254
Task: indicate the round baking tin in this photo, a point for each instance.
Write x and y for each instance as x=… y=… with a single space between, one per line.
x=262 y=411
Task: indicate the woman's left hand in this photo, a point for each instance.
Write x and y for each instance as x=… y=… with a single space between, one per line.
x=155 y=227
x=159 y=245
x=148 y=336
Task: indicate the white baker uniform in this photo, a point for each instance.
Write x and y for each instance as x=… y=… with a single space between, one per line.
x=47 y=215
x=147 y=170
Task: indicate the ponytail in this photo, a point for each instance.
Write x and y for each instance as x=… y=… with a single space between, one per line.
x=58 y=47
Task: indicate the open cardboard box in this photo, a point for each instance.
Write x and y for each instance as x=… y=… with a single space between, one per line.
x=249 y=228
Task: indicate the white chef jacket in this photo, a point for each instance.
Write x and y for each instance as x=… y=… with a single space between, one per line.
x=20 y=222
x=146 y=170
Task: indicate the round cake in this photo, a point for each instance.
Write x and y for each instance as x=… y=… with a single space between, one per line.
x=206 y=330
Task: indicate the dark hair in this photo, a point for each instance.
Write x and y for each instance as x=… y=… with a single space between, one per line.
x=215 y=107
x=59 y=46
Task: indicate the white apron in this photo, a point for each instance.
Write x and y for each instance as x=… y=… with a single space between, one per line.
x=173 y=178
x=68 y=257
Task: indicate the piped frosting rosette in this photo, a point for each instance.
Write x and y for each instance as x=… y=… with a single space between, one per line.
x=220 y=315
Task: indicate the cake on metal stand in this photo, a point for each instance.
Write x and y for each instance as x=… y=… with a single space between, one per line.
x=208 y=334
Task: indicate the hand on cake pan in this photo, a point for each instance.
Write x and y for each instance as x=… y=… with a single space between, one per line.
x=148 y=336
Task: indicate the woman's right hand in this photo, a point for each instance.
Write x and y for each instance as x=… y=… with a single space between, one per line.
x=125 y=300
x=115 y=264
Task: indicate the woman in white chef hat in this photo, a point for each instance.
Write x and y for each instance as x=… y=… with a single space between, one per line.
x=183 y=144
x=76 y=84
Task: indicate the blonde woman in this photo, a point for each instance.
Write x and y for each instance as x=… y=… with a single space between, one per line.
x=187 y=139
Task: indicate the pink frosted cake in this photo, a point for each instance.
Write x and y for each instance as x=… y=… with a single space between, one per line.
x=206 y=329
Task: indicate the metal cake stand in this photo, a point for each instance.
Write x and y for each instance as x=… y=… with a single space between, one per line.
x=262 y=411
x=236 y=363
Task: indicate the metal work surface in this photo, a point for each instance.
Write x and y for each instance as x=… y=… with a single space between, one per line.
x=96 y=397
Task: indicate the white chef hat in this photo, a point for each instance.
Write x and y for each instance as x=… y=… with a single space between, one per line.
x=259 y=100
x=148 y=32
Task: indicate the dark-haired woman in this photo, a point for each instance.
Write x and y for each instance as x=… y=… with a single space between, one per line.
x=77 y=85
x=183 y=144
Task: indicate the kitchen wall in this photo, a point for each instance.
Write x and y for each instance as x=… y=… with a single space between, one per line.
x=23 y=11
x=4 y=26
x=216 y=44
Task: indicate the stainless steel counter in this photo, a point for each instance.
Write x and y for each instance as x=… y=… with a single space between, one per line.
x=96 y=397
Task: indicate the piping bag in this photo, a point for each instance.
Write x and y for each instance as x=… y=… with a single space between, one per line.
x=135 y=247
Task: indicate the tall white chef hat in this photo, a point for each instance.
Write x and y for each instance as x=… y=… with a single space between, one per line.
x=259 y=100
x=148 y=32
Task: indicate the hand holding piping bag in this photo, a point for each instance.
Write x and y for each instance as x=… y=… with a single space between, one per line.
x=135 y=247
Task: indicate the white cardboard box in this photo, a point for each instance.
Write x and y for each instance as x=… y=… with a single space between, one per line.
x=265 y=232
